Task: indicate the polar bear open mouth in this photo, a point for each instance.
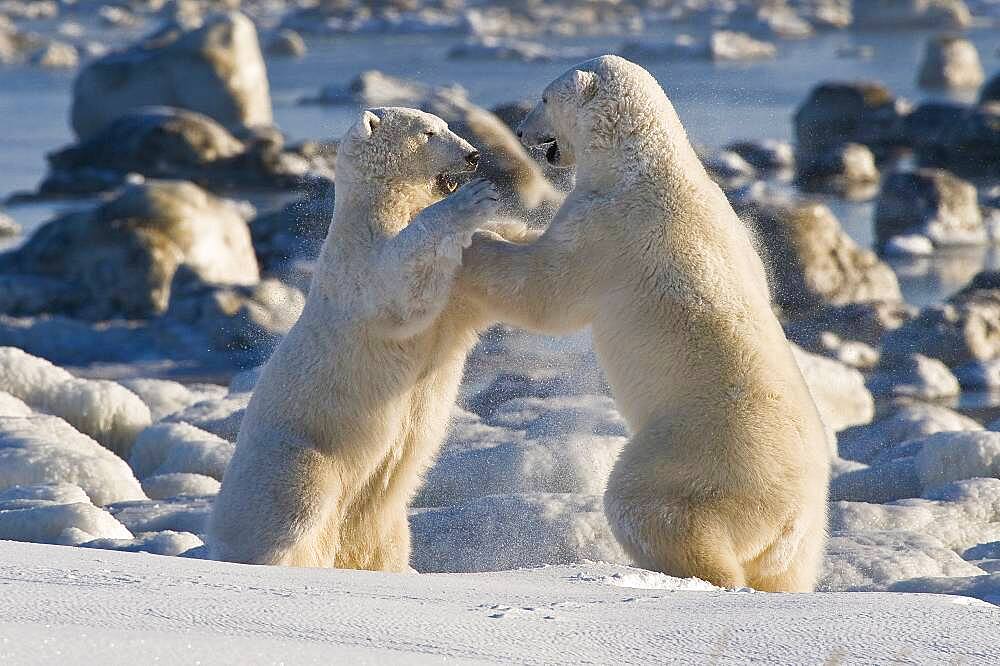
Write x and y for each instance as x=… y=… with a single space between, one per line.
x=551 y=147
x=446 y=183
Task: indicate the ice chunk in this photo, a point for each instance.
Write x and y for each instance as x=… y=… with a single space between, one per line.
x=57 y=514
x=176 y=484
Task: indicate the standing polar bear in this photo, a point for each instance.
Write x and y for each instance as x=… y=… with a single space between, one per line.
x=354 y=403
x=726 y=475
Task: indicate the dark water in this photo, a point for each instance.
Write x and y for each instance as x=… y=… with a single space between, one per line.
x=718 y=103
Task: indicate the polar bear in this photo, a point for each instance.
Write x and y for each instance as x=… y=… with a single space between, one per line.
x=353 y=404
x=726 y=475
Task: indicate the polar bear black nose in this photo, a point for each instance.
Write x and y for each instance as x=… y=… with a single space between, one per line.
x=473 y=158
x=520 y=134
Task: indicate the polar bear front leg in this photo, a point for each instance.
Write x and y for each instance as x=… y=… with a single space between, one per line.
x=534 y=285
x=417 y=267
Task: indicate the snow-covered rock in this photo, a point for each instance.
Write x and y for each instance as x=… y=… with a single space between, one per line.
x=57 y=55
x=911 y=14
x=955 y=456
x=512 y=532
x=915 y=376
x=179 y=514
x=814 y=262
x=908 y=245
x=121 y=257
x=166 y=542
x=951 y=62
x=836 y=113
x=171 y=448
x=216 y=69
x=220 y=417
x=177 y=484
x=933 y=203
x=165 y=397
x=46 y=449
x=58 y=513
x=106 y=411
x=956 y=332
x=838 y=390
x=286 y=42
x=720 y=46
x=906 y=423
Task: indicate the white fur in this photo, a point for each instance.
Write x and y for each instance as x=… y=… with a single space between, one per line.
x=726 y=475
x=353 y=405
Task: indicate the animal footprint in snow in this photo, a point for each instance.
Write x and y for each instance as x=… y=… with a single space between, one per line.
x=497 y=611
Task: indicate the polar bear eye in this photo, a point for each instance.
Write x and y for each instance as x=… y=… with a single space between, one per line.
x=545 y=100
x=429 y=134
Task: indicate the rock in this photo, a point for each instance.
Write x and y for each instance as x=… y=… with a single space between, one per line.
x=245 y=322
x=963 y=139
x=814 y=262
x=911 y=14
x=216 y=69
x=721 y=45
x=909 y=245
x=373 y=88
x=837 y=113
x=765 y=154
x=8 y=227
x=909 y=421
x=931 y=203
x=825 y=329
x=287 y=42
x=120 y=258
x=979 y=375
x=829 y=14
x=163 y=142
x=773 y=19
x=915 y=376
x=838 y=391
x=963 y=329
x=118 y=17
x=57 y=55
x=493 y=48
x=847 y=169
x=295 y=230
x=950 y=62
x=728 y=169
x=991 y=91
x=855 y=51
x=737 y=46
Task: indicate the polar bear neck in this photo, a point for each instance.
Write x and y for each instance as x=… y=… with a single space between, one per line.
x=379 y=206
x=654 y=148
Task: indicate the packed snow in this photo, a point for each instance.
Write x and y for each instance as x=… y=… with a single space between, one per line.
x=78 y=606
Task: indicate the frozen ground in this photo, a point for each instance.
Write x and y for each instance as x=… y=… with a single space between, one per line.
x=79 y=606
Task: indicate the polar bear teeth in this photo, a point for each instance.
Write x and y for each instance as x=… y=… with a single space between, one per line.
x=445 y=183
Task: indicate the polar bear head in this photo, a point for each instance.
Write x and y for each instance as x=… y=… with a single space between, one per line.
x=597 y=104
x=401 y=146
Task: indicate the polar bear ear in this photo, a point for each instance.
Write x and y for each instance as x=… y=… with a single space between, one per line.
x=585 y=84
x=366 y=125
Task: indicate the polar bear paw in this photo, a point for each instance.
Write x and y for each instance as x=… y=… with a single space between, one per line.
x=471 y=205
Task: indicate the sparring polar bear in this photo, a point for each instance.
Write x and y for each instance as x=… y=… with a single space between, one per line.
x=353 y=404
x=726 y=475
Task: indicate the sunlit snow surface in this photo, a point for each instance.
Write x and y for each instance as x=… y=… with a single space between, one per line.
x=76 y=606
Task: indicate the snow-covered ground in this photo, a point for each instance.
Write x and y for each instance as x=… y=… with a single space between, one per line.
x=76 y=606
